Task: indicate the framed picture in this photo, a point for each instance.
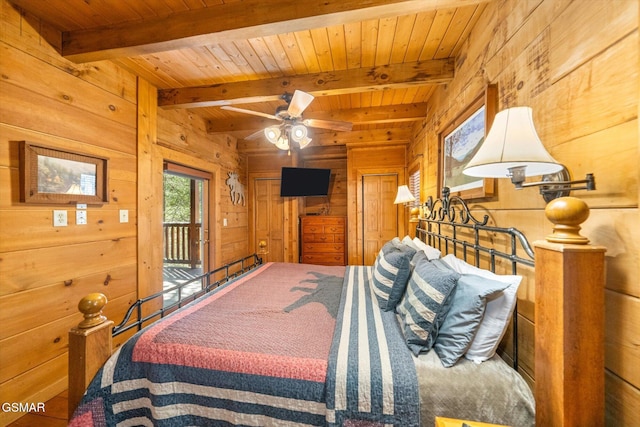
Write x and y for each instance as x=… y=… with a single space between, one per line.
x=459 y=142
x=49 y=175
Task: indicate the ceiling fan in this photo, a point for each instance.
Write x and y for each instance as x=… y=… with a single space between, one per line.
x=292 y=127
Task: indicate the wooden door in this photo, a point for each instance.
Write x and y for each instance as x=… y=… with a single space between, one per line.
x=379 y=214
x=269 y=218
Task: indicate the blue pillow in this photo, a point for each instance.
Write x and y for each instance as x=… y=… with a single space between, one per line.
x=426 y=303
x=390 y=274
x=463 y=319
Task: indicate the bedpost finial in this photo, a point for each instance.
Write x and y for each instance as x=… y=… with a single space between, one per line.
x=567 y=213
x=91 y=307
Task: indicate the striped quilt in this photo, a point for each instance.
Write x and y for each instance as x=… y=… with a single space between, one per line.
x=371 y=379
x=259 y=351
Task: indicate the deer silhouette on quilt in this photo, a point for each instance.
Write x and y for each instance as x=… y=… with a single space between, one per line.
x=324 y=293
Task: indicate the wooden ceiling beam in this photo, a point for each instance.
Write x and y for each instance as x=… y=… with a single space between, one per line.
x=395 y=76
x=357 y=116
x=231 y=21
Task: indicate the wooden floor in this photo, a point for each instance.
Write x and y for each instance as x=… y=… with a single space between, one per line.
x=55 y=414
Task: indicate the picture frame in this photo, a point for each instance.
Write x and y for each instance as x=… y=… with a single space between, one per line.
x=53 y=176
x=458 y=143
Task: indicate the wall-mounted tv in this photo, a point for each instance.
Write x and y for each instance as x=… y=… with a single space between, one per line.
x=304 y=182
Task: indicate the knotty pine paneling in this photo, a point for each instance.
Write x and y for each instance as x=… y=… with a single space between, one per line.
x=336 y=202
x=30 y=269
x=59 y=300
x=619 y=397
x=93 y=109
x=28 y=34
x=575 y=64
x=622 y=355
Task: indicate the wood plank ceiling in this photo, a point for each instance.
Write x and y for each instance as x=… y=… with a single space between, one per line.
x=374 y=63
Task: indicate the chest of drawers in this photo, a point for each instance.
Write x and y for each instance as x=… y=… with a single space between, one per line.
x=323 y=240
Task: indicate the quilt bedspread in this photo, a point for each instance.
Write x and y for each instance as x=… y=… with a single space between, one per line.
x=253 y=353
x=287 y=344
x=371 y=379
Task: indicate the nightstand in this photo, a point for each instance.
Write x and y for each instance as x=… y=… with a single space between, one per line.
x=451 y=422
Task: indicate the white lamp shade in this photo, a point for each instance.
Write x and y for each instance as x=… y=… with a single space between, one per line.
x=272 y=133
x=283 y=142
x=298 y=132
x=304 y=142
x=404 y=195
x=512 y=141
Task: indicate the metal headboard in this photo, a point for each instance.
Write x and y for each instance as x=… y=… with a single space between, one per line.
x=449 y=225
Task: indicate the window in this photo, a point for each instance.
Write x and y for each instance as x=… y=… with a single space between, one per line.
x=414 y=187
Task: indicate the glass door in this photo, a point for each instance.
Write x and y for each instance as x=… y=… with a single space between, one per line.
x=185 y=228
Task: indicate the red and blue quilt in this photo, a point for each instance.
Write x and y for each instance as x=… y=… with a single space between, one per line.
x=261 y=350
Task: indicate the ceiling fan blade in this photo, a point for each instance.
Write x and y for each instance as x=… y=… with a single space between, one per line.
x=255 y=113
x=328 y=124
x=254 y=135
x=299 y=102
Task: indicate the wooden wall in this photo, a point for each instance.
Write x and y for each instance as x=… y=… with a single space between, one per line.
x=334 y=158
x=44 y=271
x=576 y=64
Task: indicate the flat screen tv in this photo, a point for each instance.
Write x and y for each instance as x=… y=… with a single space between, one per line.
x=304 y=182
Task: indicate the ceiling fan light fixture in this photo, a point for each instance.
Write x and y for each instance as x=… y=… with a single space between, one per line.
x=282 y=142
x=298 y=133
x=273 y=134
x=304 y=142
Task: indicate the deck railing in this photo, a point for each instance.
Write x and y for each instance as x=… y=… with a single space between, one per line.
x=182 y=243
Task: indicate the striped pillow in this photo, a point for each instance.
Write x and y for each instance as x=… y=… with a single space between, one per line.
x=391 y=271
x=425 y=303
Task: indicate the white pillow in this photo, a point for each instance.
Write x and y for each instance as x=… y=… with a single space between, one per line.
x=430 y=251
x=497 y=314
x=407 y=240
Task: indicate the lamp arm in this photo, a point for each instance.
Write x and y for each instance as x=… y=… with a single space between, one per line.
x=589 y=181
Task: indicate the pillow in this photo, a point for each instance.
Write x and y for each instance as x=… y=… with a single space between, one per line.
x=497 y=314
x=409 y=242
x=390 y=274
x=431 y=252
x=425 y=303
x=463 y=319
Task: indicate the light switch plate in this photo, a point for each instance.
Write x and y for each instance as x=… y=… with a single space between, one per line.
x=81 y=217
x=124 y=215
x=59 y=218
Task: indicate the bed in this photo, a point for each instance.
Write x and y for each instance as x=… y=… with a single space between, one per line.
x=412 y=337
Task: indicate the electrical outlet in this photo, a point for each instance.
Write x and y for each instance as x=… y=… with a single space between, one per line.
x=81 y=217
x=59 y=218
x=124 y=215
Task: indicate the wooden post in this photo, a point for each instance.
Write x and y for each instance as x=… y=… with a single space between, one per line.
x=569 y=322
x=90 y=345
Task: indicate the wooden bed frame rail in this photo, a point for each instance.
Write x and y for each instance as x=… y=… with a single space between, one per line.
x=91 y=342
x=569 y=312
x=207 y=281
